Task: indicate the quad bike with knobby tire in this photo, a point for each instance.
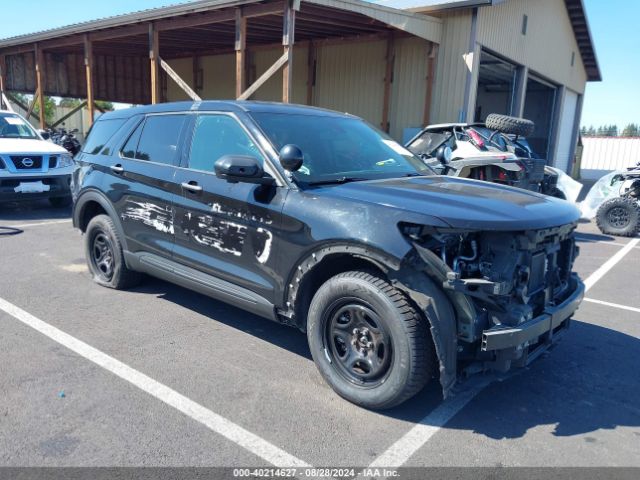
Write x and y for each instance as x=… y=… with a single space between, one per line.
x=621 y=215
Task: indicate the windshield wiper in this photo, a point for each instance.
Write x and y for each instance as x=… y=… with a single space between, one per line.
x=338 y=181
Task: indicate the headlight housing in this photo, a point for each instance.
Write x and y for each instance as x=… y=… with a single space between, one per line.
x=64 y=160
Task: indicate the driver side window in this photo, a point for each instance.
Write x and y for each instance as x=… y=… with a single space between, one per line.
x=216 y=135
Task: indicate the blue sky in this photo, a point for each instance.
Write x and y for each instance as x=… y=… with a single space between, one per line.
x=614 y=26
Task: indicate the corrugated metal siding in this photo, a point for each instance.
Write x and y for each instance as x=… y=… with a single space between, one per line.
x=409 y=85
x=350 y=78
x=601 y=155
x=547 y=47
x=272 y=90
x=451 y=68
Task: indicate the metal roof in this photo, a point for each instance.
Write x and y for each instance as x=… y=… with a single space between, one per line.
x=575 y=9
x=416 y=24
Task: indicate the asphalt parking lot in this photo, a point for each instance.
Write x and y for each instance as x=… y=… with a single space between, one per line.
x=161 y=376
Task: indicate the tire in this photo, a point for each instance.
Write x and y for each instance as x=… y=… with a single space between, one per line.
x=59 y=202
x=103 y=251
x=619 y=216
x=510 y=125
x=557 y=193
x=364 y=372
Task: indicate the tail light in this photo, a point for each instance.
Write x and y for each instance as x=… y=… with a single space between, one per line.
x=476 y=139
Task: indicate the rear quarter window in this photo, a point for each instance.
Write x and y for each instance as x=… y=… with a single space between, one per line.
x=100 y=134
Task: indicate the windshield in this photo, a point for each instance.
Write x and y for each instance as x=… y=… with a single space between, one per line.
x=13 y=126
x=339 y=148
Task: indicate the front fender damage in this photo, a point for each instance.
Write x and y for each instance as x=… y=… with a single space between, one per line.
x=420 y=279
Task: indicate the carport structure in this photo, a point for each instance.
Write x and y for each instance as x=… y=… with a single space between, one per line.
x=144 y=56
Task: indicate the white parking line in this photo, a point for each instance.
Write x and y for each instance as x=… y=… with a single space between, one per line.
x=40 y=224
x=609 y=264
x=249 y=441
x=614 y=305
x=398 y=453
x=602 y=242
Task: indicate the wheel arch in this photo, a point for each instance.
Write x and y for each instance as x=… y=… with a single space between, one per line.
x=91 y=203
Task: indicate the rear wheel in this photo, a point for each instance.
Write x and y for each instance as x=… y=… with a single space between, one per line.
x=369 y=343
x=105 y=258
x=619 y=216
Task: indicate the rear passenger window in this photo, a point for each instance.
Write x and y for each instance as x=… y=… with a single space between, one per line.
x=156 y=140
x=215 y=136
x=100 y=134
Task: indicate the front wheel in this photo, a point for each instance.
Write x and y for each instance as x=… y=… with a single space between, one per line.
x=369 y=343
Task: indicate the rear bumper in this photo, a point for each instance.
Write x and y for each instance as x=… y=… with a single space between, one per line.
x=501 y=338
x=58 y=186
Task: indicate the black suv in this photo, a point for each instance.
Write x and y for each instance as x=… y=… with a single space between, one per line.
x=315 y=219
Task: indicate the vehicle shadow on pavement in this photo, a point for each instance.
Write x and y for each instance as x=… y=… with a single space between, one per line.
x=594 y=237
x=32 y=210
x=588 y=383
x=288 y=338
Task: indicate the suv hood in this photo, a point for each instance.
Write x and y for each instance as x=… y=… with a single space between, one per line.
x=10 y=146
x=462 y=203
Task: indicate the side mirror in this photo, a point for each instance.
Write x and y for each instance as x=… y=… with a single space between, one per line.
x=44 y=134
x=444 y=154
x=241 y=168
x=291 y=158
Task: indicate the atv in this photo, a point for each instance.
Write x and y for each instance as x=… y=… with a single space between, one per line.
x=621 y=215
x=495 y=151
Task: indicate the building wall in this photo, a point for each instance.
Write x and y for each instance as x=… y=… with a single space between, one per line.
x=452 y=68
x=548 y=46
x=349 y=78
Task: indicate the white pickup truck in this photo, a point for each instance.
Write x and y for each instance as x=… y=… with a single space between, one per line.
x=31 y=167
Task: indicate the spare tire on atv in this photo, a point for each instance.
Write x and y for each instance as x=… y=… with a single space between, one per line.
x=510 y=125
x=619 y=216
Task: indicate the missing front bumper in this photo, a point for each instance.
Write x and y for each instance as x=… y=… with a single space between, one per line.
x=501 y=338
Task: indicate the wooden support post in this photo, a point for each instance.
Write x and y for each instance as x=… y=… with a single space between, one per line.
x=21 y=105
x=264 y=77
x=431 y=75
x=3 y=72
x=154 y=54
x=311 y=71
x=32 y=105
x=241 y=56
x=40 y=79
x=288 y=40
x=388 y=79
x=88 y=67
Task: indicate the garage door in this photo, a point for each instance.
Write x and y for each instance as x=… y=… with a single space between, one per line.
x=566 y=131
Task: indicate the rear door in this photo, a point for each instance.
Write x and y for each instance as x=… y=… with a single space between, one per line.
x=227 y=230
x=141 y=182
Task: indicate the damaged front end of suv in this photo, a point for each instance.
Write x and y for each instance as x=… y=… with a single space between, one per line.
x=512 y=293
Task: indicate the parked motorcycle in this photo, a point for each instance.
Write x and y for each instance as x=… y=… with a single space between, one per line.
x=64 y=138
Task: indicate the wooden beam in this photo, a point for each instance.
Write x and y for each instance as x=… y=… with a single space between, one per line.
x=74 y=110
x=288 y=40
x=195 y=20
x=181 y=83
x=88 y=68
x=264 y=77
x=388 y=79
x=311 y=71
x=154 y=55
x=241 y=56
x=31 y=106
x=21 y=105
x=3 y=72
x=40 y=81
x=431 y=75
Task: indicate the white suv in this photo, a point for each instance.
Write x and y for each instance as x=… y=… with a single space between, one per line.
x=31 y=167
